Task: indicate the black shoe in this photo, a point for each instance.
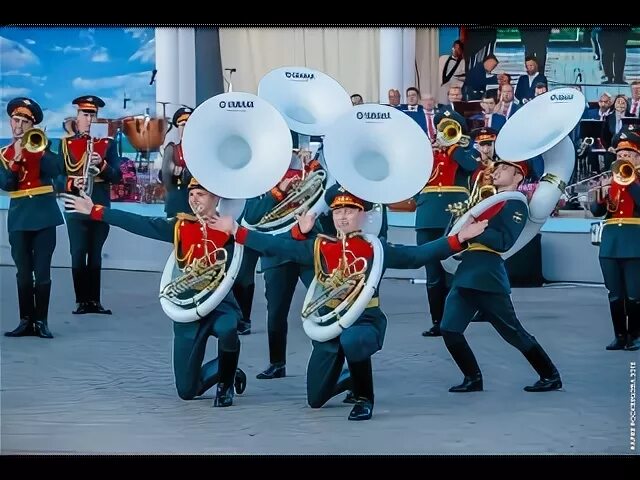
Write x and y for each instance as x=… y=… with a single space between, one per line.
x=546 y=384
x=96 y=307
x=24 y=329
x=433 y=331
x=244 y=328
x=470 y=384
x=240 y=382
x=362 y=410
x=81 y=308
x=224 y=396
x=632 y=344
x=274 y=371
x=350 y=398
x=619 y=343
x=41 y=329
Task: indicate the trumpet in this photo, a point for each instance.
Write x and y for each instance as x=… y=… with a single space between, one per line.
x=34 y=140
x=449 y=132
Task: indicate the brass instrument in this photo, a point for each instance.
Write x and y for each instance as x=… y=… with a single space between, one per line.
x=449 y=132
x=201 y=276
x=34 y=140
x=344 y=284
x=89 y=170
x=624 y=172
x=305 y=193
x=481 y=191
x=586 y=142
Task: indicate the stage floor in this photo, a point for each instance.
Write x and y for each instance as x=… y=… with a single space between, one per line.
x=105 y=383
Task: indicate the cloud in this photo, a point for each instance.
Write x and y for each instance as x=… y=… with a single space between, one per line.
x=15 y=56
x=130 y=81
x=100 y=55
x=37 y=80
x=146 y=53
x=7 y=93
x=71 y=49
x=137 y=33
x=29 y=41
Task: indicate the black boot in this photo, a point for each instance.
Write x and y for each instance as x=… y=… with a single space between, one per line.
x=277 y=357
x=466 y=361
x=542 y=364
x=633 y=318
x=228 y=367
x=80 y=285
x=362 y=381
x=619 y=319
x=42 y=295
x=244 y=297
x=344 y=384
x=94 y=292
x=437 y=296
x=26 y=307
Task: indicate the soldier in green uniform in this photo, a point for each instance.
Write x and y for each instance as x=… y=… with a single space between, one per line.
x=174 y=174
x=365 y=337
x=245 y=285
x=481 y=284
x=281 y=274
x=192 y=377
x=620 y=245
x=28 y=169
x=449 y=183
x=90 y=163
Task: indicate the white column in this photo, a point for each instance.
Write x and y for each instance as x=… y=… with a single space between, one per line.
x=167 y=85
x=187 y=66
x=408 y=58
x=390 y=62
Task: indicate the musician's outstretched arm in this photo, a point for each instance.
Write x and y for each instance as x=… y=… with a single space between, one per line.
x=407 y=257
x=298 y=251
x=156 y=228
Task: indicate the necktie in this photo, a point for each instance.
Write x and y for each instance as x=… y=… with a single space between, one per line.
x=486 y=120
x=634 y=109
x=505 y=110
x=432 y=131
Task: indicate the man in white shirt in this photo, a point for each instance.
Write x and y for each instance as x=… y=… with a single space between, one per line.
x=451 y=70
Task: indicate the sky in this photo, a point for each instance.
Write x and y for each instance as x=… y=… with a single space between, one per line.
x=55 y=65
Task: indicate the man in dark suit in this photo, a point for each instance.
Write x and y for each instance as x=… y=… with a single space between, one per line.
x=413 y=107
x=634 y=106
x=613 y=43
x=535 y=42
x=479 y=77
x=525 y=88
x=506 y=107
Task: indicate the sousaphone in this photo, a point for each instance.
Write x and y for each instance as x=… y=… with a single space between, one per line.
x=541 y=127
x=381 y=155
x=310 y=101
x=237 y=146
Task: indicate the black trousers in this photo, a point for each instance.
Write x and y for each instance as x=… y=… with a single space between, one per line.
x=32 y=251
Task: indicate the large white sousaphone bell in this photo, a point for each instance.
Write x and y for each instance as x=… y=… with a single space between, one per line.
x=237 y=146
x=541 y=127
x=381 y=155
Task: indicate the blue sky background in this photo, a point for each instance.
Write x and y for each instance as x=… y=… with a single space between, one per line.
x=55 y=65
